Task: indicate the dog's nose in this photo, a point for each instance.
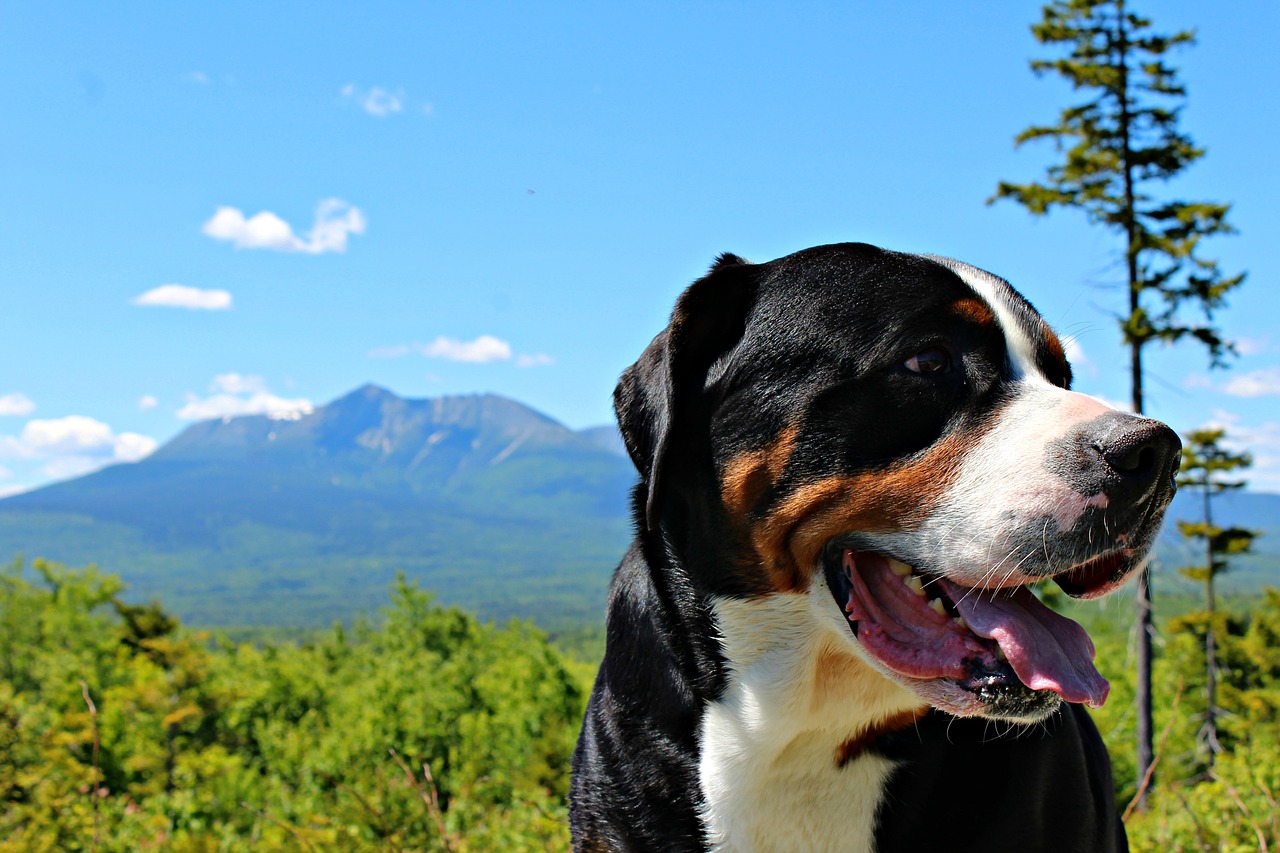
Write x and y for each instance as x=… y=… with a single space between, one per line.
x=1139 y=456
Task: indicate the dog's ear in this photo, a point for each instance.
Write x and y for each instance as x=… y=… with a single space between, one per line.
x=659 y=399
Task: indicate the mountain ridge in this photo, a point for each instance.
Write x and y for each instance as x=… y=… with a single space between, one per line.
x=370 y=483
x=303 y=520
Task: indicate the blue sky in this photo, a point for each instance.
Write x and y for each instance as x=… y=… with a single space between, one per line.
x=224 y=208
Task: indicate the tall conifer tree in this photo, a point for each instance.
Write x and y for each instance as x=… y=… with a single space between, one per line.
x=1118 y=147
x=1205 y=463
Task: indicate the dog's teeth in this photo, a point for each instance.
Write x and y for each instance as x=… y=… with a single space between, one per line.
x=898 y=568
x=959 y=620
x=935 y=604
x=913 y=583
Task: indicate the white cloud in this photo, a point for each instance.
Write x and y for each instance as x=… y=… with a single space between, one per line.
x=1197 y=381
x=75 y=445
x=182 y=296
x=1252 y=346
x=1075 y=352
x=1255 y=384
x=1080 y=362
x=375 y=101
x=5 y=473
x=198 y=77
x=74 y=434
x=535 y=360
x=1261 y=441
x=335 y=221
x=130 y=446
x=236 y=383
x=16 y=404
x=483 y=349
x=231 y=406
x=263 y=230
x=236 y=394
x=147 y=402
x=12 y=448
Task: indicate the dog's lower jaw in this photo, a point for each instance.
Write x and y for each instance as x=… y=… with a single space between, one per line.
x=782 y=764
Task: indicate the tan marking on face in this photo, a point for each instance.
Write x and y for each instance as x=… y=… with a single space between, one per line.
x=791 y=538
x=747 y=477
x=1056 y=350
x=974 y=310
x=855 y=746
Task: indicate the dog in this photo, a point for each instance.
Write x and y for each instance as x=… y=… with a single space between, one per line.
x=853 y=463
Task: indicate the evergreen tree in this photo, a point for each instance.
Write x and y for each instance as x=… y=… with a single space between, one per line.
x=1204 y=462
x=1118 y=146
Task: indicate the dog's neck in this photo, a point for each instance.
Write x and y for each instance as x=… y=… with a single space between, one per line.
x=784 y=761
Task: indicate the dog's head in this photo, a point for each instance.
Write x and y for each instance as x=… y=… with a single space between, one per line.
x=898 y=430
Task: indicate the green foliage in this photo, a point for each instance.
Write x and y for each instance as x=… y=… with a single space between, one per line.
x=1231 y=805
x=428 y=731
x=431 y=731
x=1116 y=145
x=1204 y=462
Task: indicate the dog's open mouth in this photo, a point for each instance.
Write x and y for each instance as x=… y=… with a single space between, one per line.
x=1002 y=646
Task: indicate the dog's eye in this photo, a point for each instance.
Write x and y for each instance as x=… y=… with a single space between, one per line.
x=932 y=360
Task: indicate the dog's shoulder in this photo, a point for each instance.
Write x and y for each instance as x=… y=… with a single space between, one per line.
x=986 y=787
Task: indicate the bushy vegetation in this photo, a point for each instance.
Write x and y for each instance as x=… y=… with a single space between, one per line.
x=1198 y=802
x=122 y=731
x=426 y=731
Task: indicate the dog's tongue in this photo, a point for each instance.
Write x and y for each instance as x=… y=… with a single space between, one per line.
x=1046 y=650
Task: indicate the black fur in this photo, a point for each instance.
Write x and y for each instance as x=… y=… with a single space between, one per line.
x=749 y=347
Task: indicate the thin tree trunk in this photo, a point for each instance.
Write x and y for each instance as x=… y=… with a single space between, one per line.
x=1210 y=652
x=1145 y=620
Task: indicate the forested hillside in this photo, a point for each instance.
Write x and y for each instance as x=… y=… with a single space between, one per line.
x=259 y=521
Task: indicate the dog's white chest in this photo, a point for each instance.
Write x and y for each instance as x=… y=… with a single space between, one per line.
x=796 y=800
x=771 y=774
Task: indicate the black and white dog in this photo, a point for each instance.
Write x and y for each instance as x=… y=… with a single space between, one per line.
x=852 y=464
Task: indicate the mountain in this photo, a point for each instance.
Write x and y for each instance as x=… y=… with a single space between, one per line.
x=254 y=520
x=500 y=509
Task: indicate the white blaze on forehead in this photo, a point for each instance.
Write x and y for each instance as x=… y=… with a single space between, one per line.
x=995 y=292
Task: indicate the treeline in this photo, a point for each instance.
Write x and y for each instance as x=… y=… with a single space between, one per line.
x=121 y=732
